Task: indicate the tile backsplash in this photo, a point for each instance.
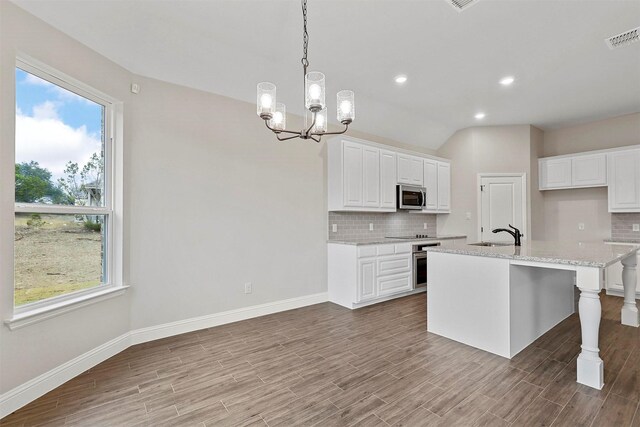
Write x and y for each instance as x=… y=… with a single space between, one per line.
x=622 y=226
x=355 y=225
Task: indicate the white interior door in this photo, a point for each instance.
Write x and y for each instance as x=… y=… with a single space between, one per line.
x=501 y=199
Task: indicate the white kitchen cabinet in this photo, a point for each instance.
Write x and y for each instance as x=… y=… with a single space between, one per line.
x=353 y=174
x=367 y=279
x=613 y=279
x=555 y=173
x=371 y=177
x=431 y=184
x=624 y=180
x=444 y=187
x=362 y=275
x=410 y=170
x=589 y=170
x=388 y=179
x=437 y=181
x=360 y=177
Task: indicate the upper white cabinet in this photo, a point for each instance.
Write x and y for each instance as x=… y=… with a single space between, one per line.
x=578 y=171
x=444 y=186
x=555 y=173
x=589 y=171
x=624 y=181
x=437 y=181
x=353 y=174
x=371 y=174
x=387 y=179
x=362 y=176
x=618 y=169
x=431 y=184
x=410 y=170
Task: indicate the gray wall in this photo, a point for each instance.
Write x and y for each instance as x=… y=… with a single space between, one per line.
x=212 y=200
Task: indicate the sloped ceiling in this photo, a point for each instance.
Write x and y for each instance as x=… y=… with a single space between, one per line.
x=565 y=73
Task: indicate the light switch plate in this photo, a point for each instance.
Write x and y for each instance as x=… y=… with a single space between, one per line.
x=334 y=228
x=370 y=226
x=581 y=226
x=636 y=227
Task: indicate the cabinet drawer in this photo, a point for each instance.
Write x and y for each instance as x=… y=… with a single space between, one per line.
x=386 y=250
x=403 y=248
x=388 y=285
x=365 y=251
x=394 y=265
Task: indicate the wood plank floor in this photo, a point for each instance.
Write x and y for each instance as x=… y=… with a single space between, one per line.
x=325 y=365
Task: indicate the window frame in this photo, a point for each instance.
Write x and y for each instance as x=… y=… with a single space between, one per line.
x=112 y=200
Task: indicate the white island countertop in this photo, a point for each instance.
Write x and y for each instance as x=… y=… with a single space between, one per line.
x=592 y=254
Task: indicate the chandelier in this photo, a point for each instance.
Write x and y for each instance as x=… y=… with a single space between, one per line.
x=274 y=113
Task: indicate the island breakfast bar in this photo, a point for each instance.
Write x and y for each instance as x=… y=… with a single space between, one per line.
x=501 y=299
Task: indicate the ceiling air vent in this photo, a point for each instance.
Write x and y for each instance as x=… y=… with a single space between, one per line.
x=461 y=5
x=623 y=39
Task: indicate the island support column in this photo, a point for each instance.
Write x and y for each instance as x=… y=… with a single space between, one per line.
x=590 y=366
x=629 y=314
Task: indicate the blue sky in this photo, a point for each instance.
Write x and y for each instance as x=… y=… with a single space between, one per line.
x=72 y=109
x=54 y=126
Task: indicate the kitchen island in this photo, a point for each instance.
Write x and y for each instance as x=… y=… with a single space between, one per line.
x=501 y=299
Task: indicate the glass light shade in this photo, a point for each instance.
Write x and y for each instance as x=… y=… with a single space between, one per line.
x=266 y=101
x=321 y=122
x=346 y=106
x=314 y=91
x=279 y=119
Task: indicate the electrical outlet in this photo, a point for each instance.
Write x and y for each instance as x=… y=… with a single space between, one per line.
x=581 y=226
x=636 y=227
x=248 y=288
x=468 y=216
x=370 y=226
x=334 y=228
x=424 y=225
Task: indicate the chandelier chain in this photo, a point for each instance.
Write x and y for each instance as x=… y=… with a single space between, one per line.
x=305 y=37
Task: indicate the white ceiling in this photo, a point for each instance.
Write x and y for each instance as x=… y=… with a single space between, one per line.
x=565 y=73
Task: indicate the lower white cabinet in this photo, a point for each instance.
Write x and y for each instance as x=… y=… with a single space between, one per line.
x=361 y=275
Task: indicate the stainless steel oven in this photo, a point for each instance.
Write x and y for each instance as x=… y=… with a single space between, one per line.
x=420 y=264
x=411 y=197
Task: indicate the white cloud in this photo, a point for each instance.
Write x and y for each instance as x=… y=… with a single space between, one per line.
x=48 y=141
x=46 y=110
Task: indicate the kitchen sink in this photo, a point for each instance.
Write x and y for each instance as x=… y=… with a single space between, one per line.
x=491 y=244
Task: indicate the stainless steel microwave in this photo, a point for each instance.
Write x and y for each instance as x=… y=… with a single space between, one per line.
x=411 y=197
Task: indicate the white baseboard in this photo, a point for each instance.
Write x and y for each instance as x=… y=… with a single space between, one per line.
x=33 y=389
x=196 y=323
x=23 y=394
x=617 y=293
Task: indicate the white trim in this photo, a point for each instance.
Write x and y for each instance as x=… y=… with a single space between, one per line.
x=31 y=390
x=39 y=313
x=208 y=321
x=617 y=293
x=356 y=305
x=587 y=153
x=525 y=200
x=23 y=394
x=389 y=147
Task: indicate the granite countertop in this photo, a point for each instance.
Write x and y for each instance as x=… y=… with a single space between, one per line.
x=625 y=241
x=383 y=240
x=593 y=254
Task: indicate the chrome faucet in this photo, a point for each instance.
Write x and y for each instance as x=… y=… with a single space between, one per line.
x=515 y=233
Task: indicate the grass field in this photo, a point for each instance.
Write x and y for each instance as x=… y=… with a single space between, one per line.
x=53 y=256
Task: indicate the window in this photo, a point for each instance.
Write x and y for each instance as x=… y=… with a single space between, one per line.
x=67 y=238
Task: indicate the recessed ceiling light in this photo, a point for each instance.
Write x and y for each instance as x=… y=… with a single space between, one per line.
x=480 y=116
x=506 y=81
x=400 y=79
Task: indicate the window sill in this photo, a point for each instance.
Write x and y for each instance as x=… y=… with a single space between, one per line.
x=40 y=314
